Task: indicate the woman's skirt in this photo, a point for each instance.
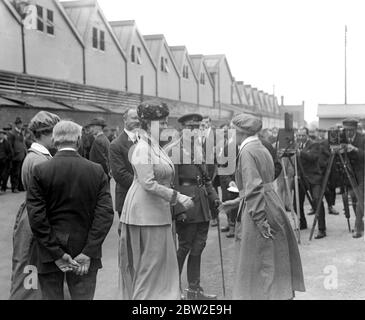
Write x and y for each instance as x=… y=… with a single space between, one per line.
x=148 y=263
x=24 y=278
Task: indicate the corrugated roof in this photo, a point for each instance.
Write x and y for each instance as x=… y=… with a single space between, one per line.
x=35 y=101
x=6 y=102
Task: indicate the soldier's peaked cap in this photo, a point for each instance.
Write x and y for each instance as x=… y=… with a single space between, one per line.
x=350 y=123
x=191 y=119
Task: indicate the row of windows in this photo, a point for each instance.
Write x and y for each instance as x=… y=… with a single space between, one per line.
x=41 y=21
x=98 y=41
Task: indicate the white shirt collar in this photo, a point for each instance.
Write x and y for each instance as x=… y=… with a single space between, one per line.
x=132 y=135
x=67 y=149
x=248 y=140
x=100 y=133
x=40 y=148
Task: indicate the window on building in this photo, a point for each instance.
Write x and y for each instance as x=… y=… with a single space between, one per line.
x=102 y=40
x=133 y=54
x=40 y=24
x=139 y=55
x=202 y=78
x=186 y=72
x=95 y=38
x=164 y=65
x=50 y=24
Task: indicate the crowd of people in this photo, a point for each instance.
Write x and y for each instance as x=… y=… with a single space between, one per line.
x=165 y=207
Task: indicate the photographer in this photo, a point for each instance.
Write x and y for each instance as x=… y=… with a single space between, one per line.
x=309 y=156
x=355 y=152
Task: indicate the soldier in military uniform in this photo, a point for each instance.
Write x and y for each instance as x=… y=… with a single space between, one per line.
x=355 y=151
x=192 y=226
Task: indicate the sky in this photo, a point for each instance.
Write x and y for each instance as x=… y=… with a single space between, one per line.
x=290 y=47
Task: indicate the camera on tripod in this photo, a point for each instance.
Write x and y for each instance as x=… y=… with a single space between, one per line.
x=286 y=138
x=337 y=137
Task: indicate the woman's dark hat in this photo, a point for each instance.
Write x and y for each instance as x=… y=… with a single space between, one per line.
x=97 y=122
x=192 y=119
x=153 y=110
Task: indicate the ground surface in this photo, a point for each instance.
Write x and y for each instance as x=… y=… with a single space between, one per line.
x=337 y=253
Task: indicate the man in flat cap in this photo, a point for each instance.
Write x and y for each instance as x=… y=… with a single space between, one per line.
x=41 y=127
x=192 y=225
x=16 y=139
x=355 y=151
x=99 y=152
x=5 y=159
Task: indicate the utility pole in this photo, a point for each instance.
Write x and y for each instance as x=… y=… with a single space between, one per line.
x=345 y=64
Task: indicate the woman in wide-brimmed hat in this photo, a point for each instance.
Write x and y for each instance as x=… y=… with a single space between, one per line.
x=147 y=254
x=268 y=264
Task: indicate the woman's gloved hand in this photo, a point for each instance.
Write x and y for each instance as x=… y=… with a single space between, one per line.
x=265 y=229
x=185 y=201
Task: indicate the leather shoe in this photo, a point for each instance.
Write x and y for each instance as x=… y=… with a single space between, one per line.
x=225 y=229
x=333 y=211
x=320 y=235
x=357 y=235
x=213 y=223
x=199 y=294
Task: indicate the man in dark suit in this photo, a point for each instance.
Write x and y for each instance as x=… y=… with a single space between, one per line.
x=309 y=156
x=5 y=158
x=99 y=152
x=70 y=213
x=16 y=139
x=355 y=152
x=121 y=168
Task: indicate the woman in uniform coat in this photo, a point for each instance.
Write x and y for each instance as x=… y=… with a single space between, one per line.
x=147 y=254
x=268 y=264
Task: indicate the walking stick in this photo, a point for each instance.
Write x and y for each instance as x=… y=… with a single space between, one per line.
x=221 y=255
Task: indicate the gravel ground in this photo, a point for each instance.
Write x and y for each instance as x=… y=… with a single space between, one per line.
x=338 y=255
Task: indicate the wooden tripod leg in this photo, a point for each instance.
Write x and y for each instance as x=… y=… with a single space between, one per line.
x=323 y=190
x=290 y=200
x=353 y=184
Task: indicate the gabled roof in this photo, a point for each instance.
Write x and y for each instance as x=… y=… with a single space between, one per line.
x=18 y=18
x=256 y=99
x=155 y=43
x=262 y=100
x=12 y=10
x=179 y=53
x=124 y=33
x=249 y=95
x=199 y=64
x=242 y=92
x=68 y=21
x=213 y=63
x=267 y=102
x=94 y=7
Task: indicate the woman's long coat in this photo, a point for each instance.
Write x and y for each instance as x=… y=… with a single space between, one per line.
x=266 y=269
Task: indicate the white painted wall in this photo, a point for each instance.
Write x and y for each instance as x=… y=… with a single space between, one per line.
x=11 y=58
